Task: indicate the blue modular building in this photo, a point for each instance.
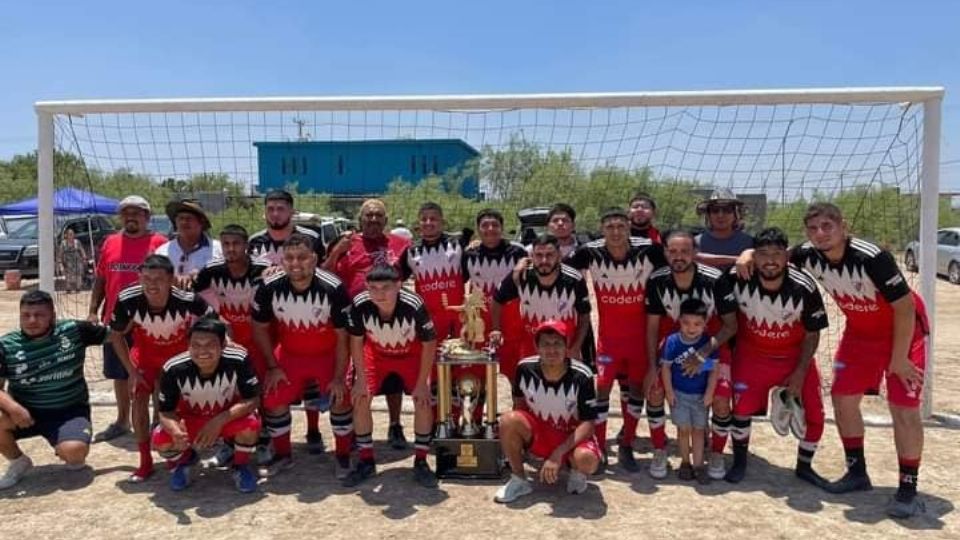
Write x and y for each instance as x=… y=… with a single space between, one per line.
x=360 y=167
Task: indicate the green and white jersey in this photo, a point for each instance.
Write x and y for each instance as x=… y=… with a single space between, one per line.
x=47 y=372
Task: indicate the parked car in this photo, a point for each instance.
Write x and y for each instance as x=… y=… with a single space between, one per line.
x=161 y=224
x=533 y=222
x=20 y=250
x=327 y=227
x=948 y=254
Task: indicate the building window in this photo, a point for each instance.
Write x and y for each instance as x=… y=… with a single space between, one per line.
x=283 y=166
x=436 y=169
x=303 y=162
x=423 y=164
x=340 y=165
x=293 y=166
x=413 y=165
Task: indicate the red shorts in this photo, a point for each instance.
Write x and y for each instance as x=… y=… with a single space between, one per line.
x=508 y=356
x=150 y=368
x=754 y=375
x=377 y=371
x=620 y=360
x=546 y=439
x=251 y=422
x=724 y=387
x=300 y=372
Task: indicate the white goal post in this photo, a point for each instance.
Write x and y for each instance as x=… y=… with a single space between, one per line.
x=929 y=97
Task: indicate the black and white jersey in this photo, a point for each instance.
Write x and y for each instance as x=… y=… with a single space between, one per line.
x=709 y=285
x=232 y=297
x=160 y=334
x=437 y=270
x=562 y=405
x=263 y=246
x=566 y=299
x=183 y=389
x=400 y=335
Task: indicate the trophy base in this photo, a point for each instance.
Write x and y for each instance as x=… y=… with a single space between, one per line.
x=468 y=458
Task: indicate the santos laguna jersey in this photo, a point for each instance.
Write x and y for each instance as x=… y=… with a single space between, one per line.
x=231 y=297
x=263 y=247
x=567 y=299
x=775 y=323
x=398 y=337
x=437 y=271
x=158 y=335
x=863 y=283
x=708 y=285
x=619 y=286
x=183 y=389
x=304 y=322
x=561 y=405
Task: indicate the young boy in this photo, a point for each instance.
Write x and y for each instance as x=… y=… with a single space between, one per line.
x=689 y=381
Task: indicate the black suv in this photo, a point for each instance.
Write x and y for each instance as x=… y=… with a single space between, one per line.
x=20 y=250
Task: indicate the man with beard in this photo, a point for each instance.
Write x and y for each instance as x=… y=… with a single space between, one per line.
x=619 y=266
x=486 y=265
x=548 y=290
x=667 y=289
x=118 y=267
x=351 y=257
x=779 y=321
x=885 y=338
x=267 y=246
x=643 y=209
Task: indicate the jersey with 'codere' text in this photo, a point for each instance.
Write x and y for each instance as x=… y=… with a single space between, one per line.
x=305 y=322
x=774 y=323
x=400 y=336
x=562 y=405
x=232 y=297
x=158 y=335
x=437 y=271
x=709 y=285
x=183 y=389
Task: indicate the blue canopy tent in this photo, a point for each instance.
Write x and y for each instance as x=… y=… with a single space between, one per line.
x=65 y=201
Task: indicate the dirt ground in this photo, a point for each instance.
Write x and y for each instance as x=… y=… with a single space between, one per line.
x=96 y=503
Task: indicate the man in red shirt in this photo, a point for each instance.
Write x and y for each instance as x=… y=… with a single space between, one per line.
x=118 y=267
x=351 y=258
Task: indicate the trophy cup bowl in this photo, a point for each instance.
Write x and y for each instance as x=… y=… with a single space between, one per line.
x=468 y=388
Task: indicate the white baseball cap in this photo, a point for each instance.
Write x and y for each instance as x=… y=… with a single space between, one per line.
x=134 y=201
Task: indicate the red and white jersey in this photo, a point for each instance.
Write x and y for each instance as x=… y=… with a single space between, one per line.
x=185 y=390
x=399 y=336
x=262 y=246
x=436 y=269
x=487 y=268
x=567 y=299
x=709 y=285
x=562 y=405
x=158 y=335
x=863 y=284
x=619 y=285
x=774 y=323
x=232 y=297
x=304 y=322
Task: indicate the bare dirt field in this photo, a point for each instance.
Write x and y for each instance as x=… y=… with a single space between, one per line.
x=96 y=503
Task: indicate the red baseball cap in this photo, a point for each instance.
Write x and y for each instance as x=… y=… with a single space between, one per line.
x=553 y=325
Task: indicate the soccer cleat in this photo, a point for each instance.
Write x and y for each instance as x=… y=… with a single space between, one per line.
x=220 y=459
x=343 y=467
x=576 y=483
x=423 y=475
x=396 y=437
x=515 y=488
x=277 y=464
x=245 y=479
x=805 y=472
x=659 y=465
x=180 y=477
x=363 y=470
x=798 y=421
x=905 y=507
x=626 y=459
x=717 y=469
x=263 y=454
x=315 y=444
x=780 y=410
x=850 y=482
x=16 y=470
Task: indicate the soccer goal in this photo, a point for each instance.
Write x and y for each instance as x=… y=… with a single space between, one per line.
x=873 y=151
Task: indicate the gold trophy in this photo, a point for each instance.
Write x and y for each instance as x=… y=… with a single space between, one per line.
x=468 y=388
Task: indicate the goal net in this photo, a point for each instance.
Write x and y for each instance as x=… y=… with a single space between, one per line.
x=867 y=150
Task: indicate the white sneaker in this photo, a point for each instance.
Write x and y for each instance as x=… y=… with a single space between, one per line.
x=220 y=459
x=716 y=469
x=16 y=469
x=659 y=465
x=577 y=483
x=515 y=488
x=798 y=422
x=780 y=411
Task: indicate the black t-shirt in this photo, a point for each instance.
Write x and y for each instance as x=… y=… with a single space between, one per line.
x=184 y=390
x=561 y=404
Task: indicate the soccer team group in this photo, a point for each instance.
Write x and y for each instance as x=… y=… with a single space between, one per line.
x=226 y=334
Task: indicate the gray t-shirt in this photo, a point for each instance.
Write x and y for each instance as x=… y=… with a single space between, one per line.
x=732 y=246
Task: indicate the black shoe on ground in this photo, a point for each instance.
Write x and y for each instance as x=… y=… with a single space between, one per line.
x=850 y=482
x=905 y=506
x=626 y=459
x=363 y=470
x=805 y=472
x=423 y=475
x=315 y=444
x=396 y=438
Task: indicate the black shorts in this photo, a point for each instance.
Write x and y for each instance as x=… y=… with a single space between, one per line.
x=59 y=425
x=112 y=366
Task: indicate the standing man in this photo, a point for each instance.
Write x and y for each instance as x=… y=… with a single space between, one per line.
x=667 y=289
x=306 y=310
x=643 y=210
x=46 y=392
x=723 y=240
x=192 y=248
x=391 y=337
x=548 y=290
x=351 y=257
x=559 y=431
x=780 y=317
x=562 y=223
x=884 y=339
x=118 y=267
x=486 y=265
x=158 y=316
x=619 y=266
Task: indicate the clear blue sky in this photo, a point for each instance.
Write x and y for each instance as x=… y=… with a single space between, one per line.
x=111 y=49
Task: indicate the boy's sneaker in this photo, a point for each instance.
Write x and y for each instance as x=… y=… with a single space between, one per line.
x=686 y=471
x=716 y=468
x=277 y=464
x=315 y=444
x=16 y=469
x=423 y=475
x=363 y=470
x=781 y=410
x=576 y=483
x=659 y=465
x=245 y=479
x=515 y=488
